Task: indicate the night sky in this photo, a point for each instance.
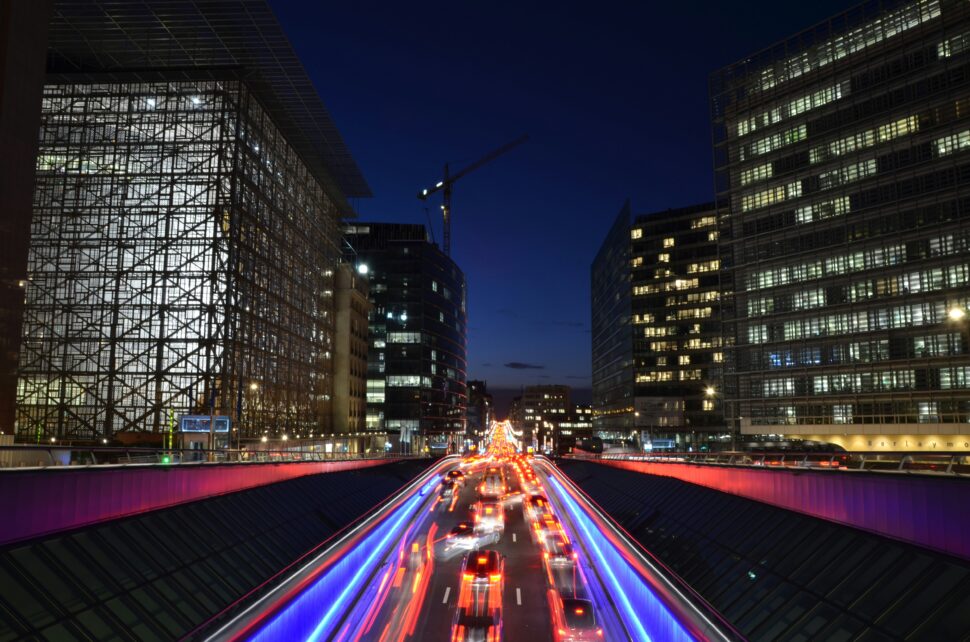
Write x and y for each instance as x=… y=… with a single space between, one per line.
x=614 y=98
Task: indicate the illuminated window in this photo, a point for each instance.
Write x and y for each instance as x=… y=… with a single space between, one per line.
x=706 y=266
x=636 y=233
x=775 y=141
x=708 y=404
x=684 y=359
x=823 y=210
x=663 y=258
x=639 y=319
x=848 y=43
x=704 y=221
x=952 y=143
x=843 y=175
x=661 y=361
x=669 y=242
x=636 y=261
x=862 y=140
x=640 y=290
x=953 y=46
x=774 y=195
x=798 y=106
x=713 y=235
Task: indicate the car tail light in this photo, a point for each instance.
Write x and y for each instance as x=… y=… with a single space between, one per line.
x=599 y=632
x=546 y=554
x=469 y=576
x=495 y=577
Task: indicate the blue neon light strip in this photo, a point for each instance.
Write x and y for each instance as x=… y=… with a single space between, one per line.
x=639 y=608
x=312 y=614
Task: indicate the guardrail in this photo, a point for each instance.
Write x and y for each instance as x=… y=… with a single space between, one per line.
x=658 y=604
x=896 y=462
x=305 y=599
x=24 y=456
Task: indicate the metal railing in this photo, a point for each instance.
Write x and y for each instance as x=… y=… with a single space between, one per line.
x=930 y=463
x=25 y=456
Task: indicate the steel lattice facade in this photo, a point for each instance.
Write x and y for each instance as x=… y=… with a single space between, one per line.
x=181 y=261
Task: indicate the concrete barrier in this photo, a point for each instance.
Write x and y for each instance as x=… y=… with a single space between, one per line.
x=38 y=502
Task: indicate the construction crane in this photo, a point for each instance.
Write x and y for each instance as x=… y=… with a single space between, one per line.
x=444 y=185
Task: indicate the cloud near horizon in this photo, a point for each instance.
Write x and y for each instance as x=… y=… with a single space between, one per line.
x=517 y=365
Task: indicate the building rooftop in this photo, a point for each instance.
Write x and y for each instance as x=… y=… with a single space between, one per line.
x=189 y=36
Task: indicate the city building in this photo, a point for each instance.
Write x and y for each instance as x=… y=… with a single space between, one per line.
x=352 y=307
x=416 y=364
x=843 y=198
x=189 y=184
x=480 y=413
x=575 y=429
x=612 y=329
x=657 y=345
x=543 y=407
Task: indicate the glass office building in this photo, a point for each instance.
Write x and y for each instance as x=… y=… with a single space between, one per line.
x=657 y=337
x=612 y=329
x=185 y=230
x=843 y=195
x=416 y=363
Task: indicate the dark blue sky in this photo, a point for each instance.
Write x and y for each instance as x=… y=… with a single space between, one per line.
x=613 y=96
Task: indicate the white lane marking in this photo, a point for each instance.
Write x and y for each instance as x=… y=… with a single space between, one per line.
x=513 y=538
x=447 y=593
x=518 y=596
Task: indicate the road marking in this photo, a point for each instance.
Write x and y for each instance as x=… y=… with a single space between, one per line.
x=518 y=596
x=513 y=538
x=447 y=593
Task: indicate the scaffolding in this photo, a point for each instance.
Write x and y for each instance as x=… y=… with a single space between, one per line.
x=181 y=262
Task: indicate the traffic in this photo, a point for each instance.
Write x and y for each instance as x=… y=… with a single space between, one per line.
x=491 y=560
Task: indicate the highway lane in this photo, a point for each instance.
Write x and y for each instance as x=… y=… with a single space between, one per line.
x=525 y=609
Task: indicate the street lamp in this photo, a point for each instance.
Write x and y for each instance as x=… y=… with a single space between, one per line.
x=958 y=315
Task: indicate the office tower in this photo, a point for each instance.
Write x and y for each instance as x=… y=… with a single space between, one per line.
x=657 y=321
x=185 y=226
x=842 y=181
x=416 y=387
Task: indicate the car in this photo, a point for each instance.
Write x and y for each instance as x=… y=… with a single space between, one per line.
x=547 y=525
x=456 y=476
x=483 y=567
x=463 y=538
x=536 y=506
x=573 y=619
x=493 y=485
x=489 y=516
x=557 y=551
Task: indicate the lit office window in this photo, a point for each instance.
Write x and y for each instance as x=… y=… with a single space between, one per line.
x=704 y=221
x=669 y=242
x=823 y=210
x=774 y=195
x=848 y=43
x=952 y=143
x=863 y=140
x=848 y=174
x=953 y=46
x=636 y=233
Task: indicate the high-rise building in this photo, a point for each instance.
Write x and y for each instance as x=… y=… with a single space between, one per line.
x=612 y=329
x=185 y=226
x=416 y=388
x=843 y=195
x=657 y=345
x=352 y=308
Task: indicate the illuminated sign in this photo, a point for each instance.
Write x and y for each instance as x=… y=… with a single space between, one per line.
x=200 y=423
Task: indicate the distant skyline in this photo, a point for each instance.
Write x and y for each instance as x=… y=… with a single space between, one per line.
x=616 y=106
